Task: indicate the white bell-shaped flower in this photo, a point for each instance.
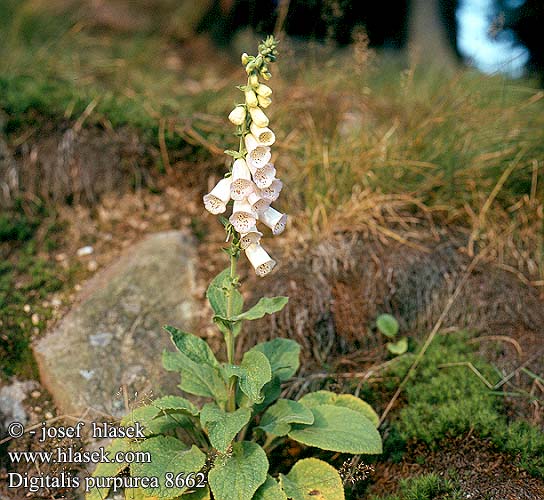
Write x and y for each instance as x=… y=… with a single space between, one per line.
x=242 y=185
x=243 y=216
x=258 y=117
x=257 y=155
x=263 y=90
x=251 y=237
x=273 y=191
x=257 y=202
x=216 y=200
x=264 y=102
x=238 y=115
x=259 y=259
x=274 y=220
x=251 y=98
x=263 y=177
x=264 y=135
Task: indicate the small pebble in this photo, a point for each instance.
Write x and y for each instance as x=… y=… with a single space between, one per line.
x=48 y=415
x=60 y=257
x=92 y=265
x=56 y=302
x=26 y=308
x=88 y=250
x=35 y=330
x=37 y=409
x=35 y=394
x=35 y=319
x=77 y=287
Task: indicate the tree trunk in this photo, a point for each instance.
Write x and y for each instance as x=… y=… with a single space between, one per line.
x=428 y=40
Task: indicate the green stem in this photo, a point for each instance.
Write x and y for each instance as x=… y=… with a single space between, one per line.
x=229 y=337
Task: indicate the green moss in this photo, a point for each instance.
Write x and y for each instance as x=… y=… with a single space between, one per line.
x=27 y=278
x=426 y=487
x=444 y=401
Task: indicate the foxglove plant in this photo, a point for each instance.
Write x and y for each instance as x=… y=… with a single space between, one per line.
x=217 y=449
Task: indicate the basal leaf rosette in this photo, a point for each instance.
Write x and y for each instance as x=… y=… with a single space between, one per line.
x=251 y=185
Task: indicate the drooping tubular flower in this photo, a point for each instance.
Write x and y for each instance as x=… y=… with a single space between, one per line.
x=252 y=184
x=216 y=201
x=242 y=185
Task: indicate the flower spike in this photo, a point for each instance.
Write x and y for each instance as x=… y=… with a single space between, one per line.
x=252 y=184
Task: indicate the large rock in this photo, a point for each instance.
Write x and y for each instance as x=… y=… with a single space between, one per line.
x=108 y=347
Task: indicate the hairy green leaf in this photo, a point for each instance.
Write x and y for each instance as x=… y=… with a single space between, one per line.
x=283 y=355
x=270 y=490
x=237 y=476
x=266 y=305
x=176 y=404
x=388 y=325
x=271 y=392
x=168 y=454
x=255 y=373
x=277 y=419
x=199 y=379
x=339 y=429
x=317 y=398
x=223 y=426
x=217 y=295
x=191 y=346
x=312 y=479
x=109 y=469
x=150 y=418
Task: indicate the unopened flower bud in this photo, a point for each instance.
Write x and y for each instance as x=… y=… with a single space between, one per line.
x=238 y=115
x=253 y=81
x=263 y=90
x=258 y=117
x=264 y=102
x=251 y=98
x=245 y=59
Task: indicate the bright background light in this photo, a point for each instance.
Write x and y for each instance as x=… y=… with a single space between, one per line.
x=503 y=55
